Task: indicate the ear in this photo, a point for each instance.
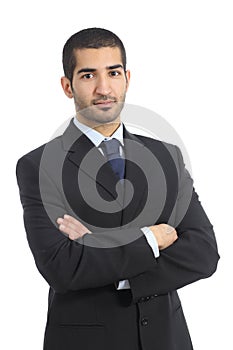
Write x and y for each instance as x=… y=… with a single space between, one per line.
x=127 y=73
x=66 y=86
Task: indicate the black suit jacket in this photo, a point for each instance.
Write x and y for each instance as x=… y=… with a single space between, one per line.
x=85 y=309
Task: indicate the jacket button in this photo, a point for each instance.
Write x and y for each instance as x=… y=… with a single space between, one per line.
x=144 y=321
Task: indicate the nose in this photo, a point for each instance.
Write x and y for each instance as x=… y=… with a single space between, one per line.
x=103 y=86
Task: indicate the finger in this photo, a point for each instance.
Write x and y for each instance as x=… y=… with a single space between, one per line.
x=72 y=220
x=71 y=225
x=75 y=223
x=66 y=227
x=68 y=223
x=70 y=232
x=75 y=227
x=68 y=219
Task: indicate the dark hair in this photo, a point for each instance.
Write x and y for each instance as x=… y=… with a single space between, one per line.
x=92 y=38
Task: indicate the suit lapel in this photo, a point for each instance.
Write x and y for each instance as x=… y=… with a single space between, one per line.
x=78 y=146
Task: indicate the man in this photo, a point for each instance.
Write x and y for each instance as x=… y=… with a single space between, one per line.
x=114 y=254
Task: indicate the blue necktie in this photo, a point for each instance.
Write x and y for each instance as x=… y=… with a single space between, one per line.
x=111 y=149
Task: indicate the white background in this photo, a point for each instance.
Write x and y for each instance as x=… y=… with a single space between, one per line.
x=180 y=56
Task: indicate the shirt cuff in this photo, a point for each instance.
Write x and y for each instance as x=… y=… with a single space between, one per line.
x=151 y=240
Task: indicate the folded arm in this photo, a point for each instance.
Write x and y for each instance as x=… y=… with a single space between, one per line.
x=69 y=264
x=193 y=256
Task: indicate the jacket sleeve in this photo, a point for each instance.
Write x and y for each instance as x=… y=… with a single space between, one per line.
x=73 y=265
x=192 y=257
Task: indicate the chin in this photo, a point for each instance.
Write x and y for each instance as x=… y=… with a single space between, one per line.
x=106 y=120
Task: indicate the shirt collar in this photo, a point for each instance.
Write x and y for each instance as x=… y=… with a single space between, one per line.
x=95 y=136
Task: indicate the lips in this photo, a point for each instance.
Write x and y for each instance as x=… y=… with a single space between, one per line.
x=104 y=102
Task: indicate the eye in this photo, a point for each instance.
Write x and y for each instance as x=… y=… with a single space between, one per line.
x=114 y=73
x=88 y=76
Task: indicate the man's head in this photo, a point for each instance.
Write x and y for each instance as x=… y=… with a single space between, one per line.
x=94 y=63
x=90 y=38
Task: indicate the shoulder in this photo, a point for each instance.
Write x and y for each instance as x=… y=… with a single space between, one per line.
x=34 y=156
x=153 y=141
x=160 y=147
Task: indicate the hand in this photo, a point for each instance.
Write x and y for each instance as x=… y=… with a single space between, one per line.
x=71 y=226
x=165 y=235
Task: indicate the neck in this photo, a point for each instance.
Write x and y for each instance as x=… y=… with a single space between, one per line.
x=106 y=129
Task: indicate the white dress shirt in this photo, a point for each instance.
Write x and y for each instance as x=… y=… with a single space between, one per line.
x=96 y=138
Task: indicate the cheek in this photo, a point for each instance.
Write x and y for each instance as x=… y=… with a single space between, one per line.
x=120 y=87
x=82 y=94
x=84 y=90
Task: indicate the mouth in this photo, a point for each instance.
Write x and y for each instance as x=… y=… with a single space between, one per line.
x=104 y=103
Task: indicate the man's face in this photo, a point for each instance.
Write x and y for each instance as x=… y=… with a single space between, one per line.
x=99 y=85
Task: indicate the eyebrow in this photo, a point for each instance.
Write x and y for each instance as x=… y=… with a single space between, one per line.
x=86 y=70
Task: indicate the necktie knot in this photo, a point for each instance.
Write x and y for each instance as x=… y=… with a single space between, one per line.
x=111 y=148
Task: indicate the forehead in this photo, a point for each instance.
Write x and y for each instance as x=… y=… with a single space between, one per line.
x=97 y=58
